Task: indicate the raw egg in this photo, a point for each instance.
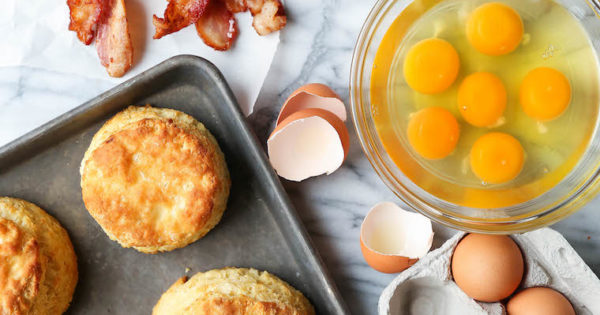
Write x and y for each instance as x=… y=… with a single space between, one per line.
x=431 y=66
x=497 y=157
x=433 y=132
x=539 y=301
x=313 y=95
x=545 y=93
x=494 y=29
x=487 y=268
x=481 y=99
x=393 y=239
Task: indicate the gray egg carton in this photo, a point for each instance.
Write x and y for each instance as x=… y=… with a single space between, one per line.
x=427 y=287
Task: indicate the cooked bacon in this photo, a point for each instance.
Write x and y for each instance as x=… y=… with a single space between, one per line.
x=269 y=15
x=84 y=17
x=179 y=14
x=217 y=26
x=113 y=42
x=255 y=6
x=236 y=6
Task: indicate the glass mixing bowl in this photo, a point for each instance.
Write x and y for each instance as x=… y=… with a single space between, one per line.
x=570 y=194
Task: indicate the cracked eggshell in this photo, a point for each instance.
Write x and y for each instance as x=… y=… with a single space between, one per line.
x=308 y=143
x=393 y=239
x=313 y=95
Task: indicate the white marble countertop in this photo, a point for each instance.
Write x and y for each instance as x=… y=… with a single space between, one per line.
x=316 y=46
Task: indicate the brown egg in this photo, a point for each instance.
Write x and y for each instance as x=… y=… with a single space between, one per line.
x=487 y=268
x=539 y=301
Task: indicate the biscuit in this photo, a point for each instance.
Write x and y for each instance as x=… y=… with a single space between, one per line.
x=154 y=179
x=38 y=267
x=232 y=291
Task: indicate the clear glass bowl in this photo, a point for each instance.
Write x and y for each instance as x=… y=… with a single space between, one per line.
x=576 y=189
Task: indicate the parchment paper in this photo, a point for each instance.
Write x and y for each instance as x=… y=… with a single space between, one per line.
x=35 y=33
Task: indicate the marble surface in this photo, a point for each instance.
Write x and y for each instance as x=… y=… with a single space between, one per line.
x=316 y=46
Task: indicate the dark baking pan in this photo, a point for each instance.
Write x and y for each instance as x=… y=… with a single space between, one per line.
x=260 y=228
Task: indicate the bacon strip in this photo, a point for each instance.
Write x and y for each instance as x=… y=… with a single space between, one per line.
x=217 y=26
x=84 y=17
x=269 y=15
x=255 y=6
x=113 y=42
x=236 y=6
x=179 y=14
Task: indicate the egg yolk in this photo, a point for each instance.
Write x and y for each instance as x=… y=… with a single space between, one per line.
x=497 y=157
x=433 y=132
x=545 y=93
x=431 y=66
x=494 y=29
x=481 y=99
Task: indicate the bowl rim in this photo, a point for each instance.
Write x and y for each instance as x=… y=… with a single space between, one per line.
x=369 y=140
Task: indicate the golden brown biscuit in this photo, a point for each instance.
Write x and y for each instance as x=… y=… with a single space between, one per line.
x=38 y=267
x=154 y=179
x=232 y=291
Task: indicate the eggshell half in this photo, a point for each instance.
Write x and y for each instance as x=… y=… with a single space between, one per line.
x=313 y=95
x=308 y=143
x=393 y=239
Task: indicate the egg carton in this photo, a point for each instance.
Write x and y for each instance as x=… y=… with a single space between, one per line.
x=427 y=287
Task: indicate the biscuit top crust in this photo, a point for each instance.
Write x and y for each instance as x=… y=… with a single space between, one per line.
x=152 y=183
x=20 y=269
x=38 y=267
x=233 y=291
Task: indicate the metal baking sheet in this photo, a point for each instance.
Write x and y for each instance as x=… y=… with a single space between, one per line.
x=260 y=228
